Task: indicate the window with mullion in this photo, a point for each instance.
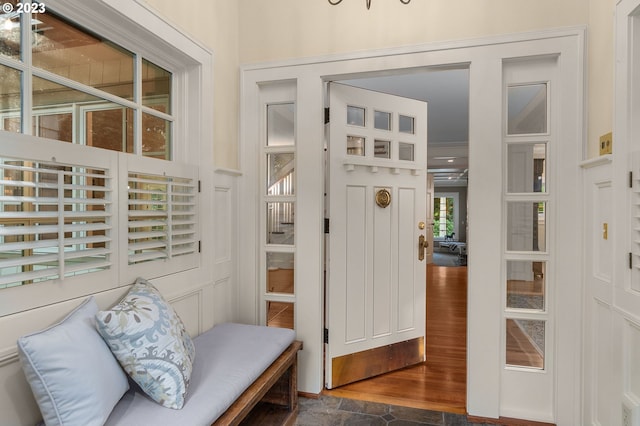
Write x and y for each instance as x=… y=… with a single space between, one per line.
x=69 y=68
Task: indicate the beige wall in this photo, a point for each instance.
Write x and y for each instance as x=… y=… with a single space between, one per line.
x=253 y=31
x=282 y=29
x=215 y=25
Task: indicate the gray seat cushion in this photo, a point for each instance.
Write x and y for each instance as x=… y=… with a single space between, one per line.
x=229 y=357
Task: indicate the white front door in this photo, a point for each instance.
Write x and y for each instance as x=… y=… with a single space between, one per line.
x=377 y=209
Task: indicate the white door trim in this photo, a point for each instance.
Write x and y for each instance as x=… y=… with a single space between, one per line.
x=485 y=57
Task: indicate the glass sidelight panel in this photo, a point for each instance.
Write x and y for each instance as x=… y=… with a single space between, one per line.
x=278 y=195
x=280 y=224
x=526 y=285
x=382 y=120
x=526 y=226
x=280 y=124
x=525 y=343
x=280 y=314
x=356 y=116
x=280 y=173
x=280 y=268
x=526 y=167
x=527 y=109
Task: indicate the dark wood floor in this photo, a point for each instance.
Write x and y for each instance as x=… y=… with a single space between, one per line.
x=440 y=382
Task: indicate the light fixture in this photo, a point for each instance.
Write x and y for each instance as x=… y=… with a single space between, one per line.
x=335 y=2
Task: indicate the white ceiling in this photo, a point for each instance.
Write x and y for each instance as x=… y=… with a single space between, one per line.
x=447 y=93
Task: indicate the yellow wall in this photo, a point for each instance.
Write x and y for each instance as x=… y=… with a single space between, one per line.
x=253 y=31
x=214 y=23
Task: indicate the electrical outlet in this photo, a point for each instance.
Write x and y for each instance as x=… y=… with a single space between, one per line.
x=626 y=415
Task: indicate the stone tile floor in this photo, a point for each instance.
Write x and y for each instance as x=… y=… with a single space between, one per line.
x=332 y=411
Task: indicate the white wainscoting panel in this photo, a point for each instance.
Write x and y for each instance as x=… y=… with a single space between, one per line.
x=599 y=314
x=226 y=260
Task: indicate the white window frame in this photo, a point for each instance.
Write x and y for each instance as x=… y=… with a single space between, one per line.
x=139 y=29
x=456 y=211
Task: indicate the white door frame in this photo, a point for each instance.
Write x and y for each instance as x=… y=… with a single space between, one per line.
x=485 y=60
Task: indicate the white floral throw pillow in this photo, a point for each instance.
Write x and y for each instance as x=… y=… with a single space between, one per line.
x=151 y=343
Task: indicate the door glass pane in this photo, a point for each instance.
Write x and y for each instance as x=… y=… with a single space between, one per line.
x=280 y=314
x=382 y=149
x=525 y=284
x=10 y=30
x=280 y=268
x=355 y=116
x=406 y=124
x=355 y=145
x=280 y=224
x=526 y=167
x=280 y=124
x=280 y=174
x=527 y=109
x=65 y=49
x=156 y=137
x=156 y=87
x=382 y=120
x=526 y=226
x=525 y=343
x=405 y=151
x=10 y=103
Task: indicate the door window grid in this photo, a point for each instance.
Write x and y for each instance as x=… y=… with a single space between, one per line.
x=356 y=145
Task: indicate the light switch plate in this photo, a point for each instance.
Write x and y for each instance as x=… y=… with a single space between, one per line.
x=606 y=142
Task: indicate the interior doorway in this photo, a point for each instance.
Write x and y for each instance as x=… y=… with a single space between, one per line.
x=440 y=382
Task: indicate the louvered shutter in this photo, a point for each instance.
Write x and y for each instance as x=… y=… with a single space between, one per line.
x=55 y=221
x=161 y=218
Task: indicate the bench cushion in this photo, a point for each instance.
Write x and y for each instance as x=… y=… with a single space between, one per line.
x=229 y=357
x=74 y=377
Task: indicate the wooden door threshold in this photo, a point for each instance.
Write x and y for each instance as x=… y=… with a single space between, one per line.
x=399 y=401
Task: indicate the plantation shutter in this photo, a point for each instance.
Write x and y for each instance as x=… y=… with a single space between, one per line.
x=161 y=219
x=56 y=220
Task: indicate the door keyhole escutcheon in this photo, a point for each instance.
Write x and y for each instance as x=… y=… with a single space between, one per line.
x=422 y=247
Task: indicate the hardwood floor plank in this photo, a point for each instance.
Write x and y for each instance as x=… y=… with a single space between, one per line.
x=440 y=383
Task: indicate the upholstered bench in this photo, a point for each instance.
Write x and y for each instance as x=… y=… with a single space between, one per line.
x=230 y=359
x=135 y=364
